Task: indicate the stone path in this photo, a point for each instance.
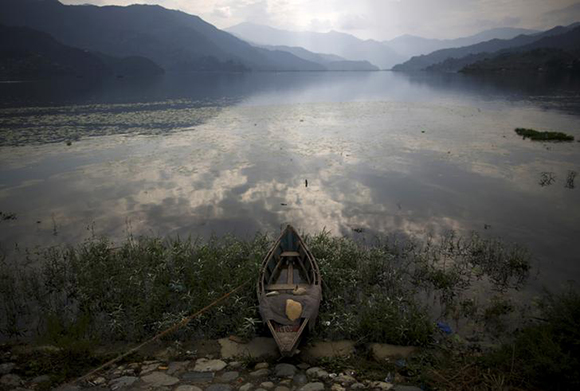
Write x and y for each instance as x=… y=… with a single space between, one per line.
x=205 y=374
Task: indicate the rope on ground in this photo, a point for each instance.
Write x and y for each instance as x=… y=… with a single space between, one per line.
x=171 y=329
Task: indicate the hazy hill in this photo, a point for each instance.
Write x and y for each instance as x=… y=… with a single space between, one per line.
x=331 y=62
x=340 y=44
x=409 y=45
x=422 y=62
x=559 y=53
x=173 y=39
x=29 y=54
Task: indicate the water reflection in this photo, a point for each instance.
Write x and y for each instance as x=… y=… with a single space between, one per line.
x=381 y=153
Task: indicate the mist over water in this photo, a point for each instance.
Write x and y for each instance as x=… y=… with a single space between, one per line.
x=383 y=153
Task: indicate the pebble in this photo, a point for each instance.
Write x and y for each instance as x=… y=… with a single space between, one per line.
x=246 y=387
x=303 y=366
x=235 y=365
x=159 y=379
x=381 y=385
x=6 y=368
x=219 y=387
x=317 y=372
x=260 y=372
x=288 y=382
x=300 y=379
x=345 y=379
x=337 y=387
x=149 y=368
x=205 y=365
x=281 y=388
x=268 y=385
x=198 y=377
x=187 y=387
x=357 y=386
x=285 y=370
x=122 y=382
x=228 y=376
x=317 y=386
x=261 y=365
x=10 y=380
x=176 y=367
x=260 y=389
x=41 y=379
x=97 y=381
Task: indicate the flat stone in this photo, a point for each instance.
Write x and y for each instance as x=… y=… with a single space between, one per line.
x=6 y=368
x=246 y=387
x=337 y=387
x=300 y=379
x=358 y=386
x=10 y=380
x=227 y=377
x=281 y=388
x=148 y=368
x=345 y=379
x=261 y=365
x=260 y=348
x=381 y=351
x=260 y=389
x=327 y=349
x=122 y=382
x=268 y=385
x=41 y=379
x=303 y=366
x=98 y=381
x=187 y=387
x=198 y=377
x=159 y=379
x=235 y=365
x=260 y=372
x=288 y=382
x=381 y=385
x=285 y=370
x=317 y=373
x=205 y=365
x=175 y=367
x=406 y=388
x=317 y=386
x=219 y=387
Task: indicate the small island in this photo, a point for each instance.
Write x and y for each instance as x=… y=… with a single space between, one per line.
x=535 y=135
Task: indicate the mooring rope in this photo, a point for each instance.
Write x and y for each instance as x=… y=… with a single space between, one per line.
x=171 y=329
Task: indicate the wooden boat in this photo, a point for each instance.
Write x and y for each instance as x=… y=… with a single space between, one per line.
x=289 y=290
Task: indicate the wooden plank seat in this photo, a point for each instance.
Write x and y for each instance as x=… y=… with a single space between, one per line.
x=277 y=287
x=290 y=254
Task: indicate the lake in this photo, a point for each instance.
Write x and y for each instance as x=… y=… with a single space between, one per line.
x=354 y=153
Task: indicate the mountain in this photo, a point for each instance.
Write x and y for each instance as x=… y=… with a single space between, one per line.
x=419 y=63
x=555 y=53
x=175 y=40
x=409 y=45
x=330 y=61
x=29 y=54
x=344 y=45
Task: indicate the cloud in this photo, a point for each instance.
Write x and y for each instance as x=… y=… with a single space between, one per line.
x=563 y=16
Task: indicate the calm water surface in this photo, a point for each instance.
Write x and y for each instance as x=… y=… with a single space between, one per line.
x=385 y=152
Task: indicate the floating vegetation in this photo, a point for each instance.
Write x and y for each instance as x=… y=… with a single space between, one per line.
x=547 y=179
x=570 y=180
x=7 y=216
x=535 y=135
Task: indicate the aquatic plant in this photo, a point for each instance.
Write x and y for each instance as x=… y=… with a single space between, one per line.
x=535 y=135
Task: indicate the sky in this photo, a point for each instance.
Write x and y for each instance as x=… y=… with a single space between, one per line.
x=376 y=19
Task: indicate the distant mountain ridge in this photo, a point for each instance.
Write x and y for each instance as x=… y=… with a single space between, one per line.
x=344 y=45
x=468 y=54
x=410 y=46
x=331 y=62
x=27 y=54
x=175 y=40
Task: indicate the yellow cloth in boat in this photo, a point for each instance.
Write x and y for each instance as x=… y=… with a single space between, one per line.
x=293 y=309
x=274 y=307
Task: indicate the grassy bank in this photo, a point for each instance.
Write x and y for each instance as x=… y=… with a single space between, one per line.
x=393 y=291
